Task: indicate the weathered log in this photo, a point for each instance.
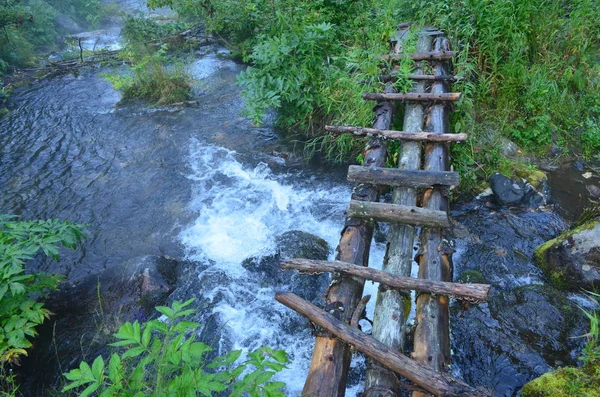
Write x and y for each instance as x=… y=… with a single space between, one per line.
x=392 y=306
x=427 y=77
x=399 y=177
x=396 y=213
x=421 y=56
x=469 y=292
x=396 y=135
x=412 y=96
x=331 y=358
x=434 y=382
x=432 y=334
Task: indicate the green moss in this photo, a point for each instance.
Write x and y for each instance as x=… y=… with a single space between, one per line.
x=565 y=382
x=529 y=173
x=472 y=276
x=557 y=277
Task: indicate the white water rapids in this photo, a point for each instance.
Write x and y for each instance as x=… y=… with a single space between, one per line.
x=241 y=209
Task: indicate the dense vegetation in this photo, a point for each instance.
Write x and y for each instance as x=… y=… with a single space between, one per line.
x=528 y=68
x=20 y=291
x=163 y=358
x=29 y=26
x=157 y=74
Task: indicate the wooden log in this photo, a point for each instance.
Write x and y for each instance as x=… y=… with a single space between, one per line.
x=399 y=177
x=396 y=213
x=396 y=135
x=422 y=56
x=426 y=77
x=432 y=334
x=434 y=382
x=412 y=96
x=331 y=358
x=393 y=306
x=469 y=292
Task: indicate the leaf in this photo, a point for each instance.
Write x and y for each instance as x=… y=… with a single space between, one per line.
x=166 y=311
x=146 y=336
x=133 y=352
x=115 y=369
x=98 y=368
x=226 y=360
x=90 y=389
x=280 y=356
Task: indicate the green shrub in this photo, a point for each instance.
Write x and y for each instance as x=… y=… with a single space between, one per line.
x=153 y=79
x=20 y=311
x=164 y=359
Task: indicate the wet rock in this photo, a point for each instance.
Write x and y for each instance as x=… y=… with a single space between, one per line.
x=299 y=244
x=526 y=328
x=578 y=165
x=594 y=191
x=519 y=335
x=505 y=190
x=88 y=312
x=572 y=260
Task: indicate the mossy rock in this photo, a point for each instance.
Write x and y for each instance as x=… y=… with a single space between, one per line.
x=472 y=276
x=534 y=176
x=565 y=382
x=570 y=261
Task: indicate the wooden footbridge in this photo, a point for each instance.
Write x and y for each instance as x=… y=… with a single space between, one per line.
x=422 y=177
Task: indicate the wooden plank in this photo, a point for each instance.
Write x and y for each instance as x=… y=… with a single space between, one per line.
x=399 y=177
x=422 y=56
x=432 y=333
x=434 y=382
x=396 y=135
x=470 y=292
x=416 y=77
x=396 y=213
x=412 y=96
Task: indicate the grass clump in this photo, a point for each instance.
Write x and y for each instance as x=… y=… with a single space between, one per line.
x=155 y=75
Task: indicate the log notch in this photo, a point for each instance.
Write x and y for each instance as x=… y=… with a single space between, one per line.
x=432 y=334
x=469 y=292
x=393 y=306
x=331 y=357
x=431 y=381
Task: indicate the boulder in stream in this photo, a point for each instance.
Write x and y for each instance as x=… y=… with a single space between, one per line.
x=572 y=260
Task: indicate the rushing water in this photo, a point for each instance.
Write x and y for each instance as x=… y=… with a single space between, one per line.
x=199 y=181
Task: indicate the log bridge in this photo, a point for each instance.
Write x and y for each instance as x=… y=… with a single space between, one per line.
x=422 y=177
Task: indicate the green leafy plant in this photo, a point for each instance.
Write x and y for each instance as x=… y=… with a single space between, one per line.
x=20 y=311
x=165 y=359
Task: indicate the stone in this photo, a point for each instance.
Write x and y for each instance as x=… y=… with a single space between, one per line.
x=571 y=261
x=517 y=336
x=505 y=190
